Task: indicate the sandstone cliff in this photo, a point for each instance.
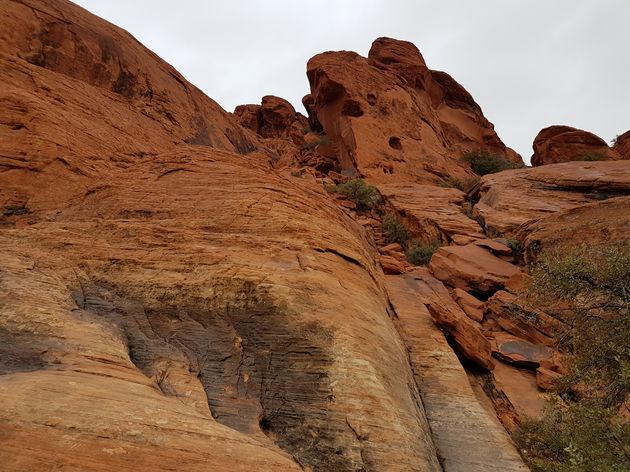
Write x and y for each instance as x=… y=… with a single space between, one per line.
x=182 y=288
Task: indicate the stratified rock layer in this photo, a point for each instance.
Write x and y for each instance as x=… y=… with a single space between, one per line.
x=168 y=303
x=467 y=437
x=510 y=198
x=557 y=144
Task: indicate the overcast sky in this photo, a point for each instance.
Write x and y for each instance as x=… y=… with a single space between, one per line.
x=528 y=63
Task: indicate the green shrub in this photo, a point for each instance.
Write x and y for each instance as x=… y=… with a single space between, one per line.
x=588 y=287
x=516 y=246
x=593 y=285
x=393 y=229
x=482 y=162
x=365 y=196
x=591 y=156
x=575 y=437
x=418 y=253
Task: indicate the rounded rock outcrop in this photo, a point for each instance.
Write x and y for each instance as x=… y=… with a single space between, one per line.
x=561 y=143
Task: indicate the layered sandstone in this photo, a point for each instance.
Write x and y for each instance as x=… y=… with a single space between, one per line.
x=169 y=303
x=558 y=143
x=511 y=198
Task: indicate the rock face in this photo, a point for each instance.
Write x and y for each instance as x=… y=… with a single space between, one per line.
x=557 y=144
x=390 y=118
x=166 y=302
x=596 y=223
x=471 y=268
x=468 y=437
x=273 y=118
x=622 y=145
x=509 y=199
x=172 y=297
x=432 y=213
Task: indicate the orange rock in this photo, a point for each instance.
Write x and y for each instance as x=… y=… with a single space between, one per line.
x=471 y=268
x=432 y=213
x=391 y=247
x=471 y=305
x=389 y=119
x=508 y=199
x=595 y=223
x=391 y=265
x=448 y=315
x=546 y=379
x=515 y=318
x=557 y=144
x=168 y=303
x=622 y=145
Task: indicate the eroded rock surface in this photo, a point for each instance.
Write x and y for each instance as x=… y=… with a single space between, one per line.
x=390 y=118
x=467 y=436
x=170 y=303
x=510 y=198
x=557 y=144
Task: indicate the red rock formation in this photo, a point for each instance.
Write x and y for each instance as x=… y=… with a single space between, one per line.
x=391 y=120
x=557 y=144
x=594 y=223
x=509 y=199
x=622 y=145
x=167 y=303
x=471 y=268
x=273 y=118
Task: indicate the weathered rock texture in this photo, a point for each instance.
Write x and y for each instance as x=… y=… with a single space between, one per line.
x=622 y=145
x=390 y=118
x=171 y=298
x=508 y=199
x=166 y=302
x=557 y=144
x=595 y=223
x=467 y=436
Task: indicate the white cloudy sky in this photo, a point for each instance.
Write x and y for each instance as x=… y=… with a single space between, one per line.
x=528 y=63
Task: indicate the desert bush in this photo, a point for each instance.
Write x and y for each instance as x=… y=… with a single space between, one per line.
x=575 y=437
x=592 y=283
x=365 y=196
x=418 y=253
x=588 y=287
x=482 y=162
x=394 y=229
x=516 y=246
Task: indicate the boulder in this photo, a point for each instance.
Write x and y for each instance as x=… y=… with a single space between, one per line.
x=512 y=314
x=392 y=265
x=557 y=144
x=471 y=268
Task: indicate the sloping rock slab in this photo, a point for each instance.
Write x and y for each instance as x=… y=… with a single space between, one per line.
x=467 y=437
x=471 y=268
x=510 y=198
